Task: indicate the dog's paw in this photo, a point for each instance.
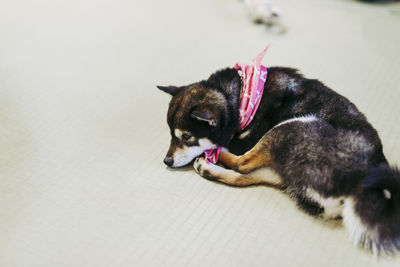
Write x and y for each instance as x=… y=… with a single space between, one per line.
x=219 y=174
x=203 y=168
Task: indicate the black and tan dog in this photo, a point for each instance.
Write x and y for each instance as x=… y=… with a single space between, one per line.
x=315 y=144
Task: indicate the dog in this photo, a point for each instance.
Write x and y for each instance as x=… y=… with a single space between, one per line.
x=304 y=139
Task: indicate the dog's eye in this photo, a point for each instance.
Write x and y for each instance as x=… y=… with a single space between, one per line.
x=185 y=137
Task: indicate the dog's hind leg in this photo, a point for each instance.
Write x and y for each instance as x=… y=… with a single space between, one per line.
x=234 y=178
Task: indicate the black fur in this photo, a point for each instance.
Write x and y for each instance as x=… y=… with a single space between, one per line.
x=379 y=211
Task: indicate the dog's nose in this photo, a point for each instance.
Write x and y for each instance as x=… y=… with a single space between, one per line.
x=168 y=161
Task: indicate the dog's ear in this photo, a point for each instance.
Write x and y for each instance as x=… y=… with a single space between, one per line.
x=172 y=90
x=204 y=114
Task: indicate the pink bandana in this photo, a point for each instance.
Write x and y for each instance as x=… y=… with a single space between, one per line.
x=253 y=79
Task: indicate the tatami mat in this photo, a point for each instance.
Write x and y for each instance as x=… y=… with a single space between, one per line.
x=83 y=130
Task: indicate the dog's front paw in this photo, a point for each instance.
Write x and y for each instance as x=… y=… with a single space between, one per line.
x=203 y=168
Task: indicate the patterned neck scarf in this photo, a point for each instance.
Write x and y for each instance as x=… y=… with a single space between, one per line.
x=253 y=80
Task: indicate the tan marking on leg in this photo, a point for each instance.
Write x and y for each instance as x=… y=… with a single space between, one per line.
x=258 y=156
x=228 y=159
x=216 y=173
x=253 y=160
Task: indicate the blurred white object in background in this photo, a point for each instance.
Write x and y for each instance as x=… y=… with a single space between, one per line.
x=264 y=12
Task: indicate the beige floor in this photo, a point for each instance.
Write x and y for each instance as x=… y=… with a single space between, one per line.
x=83 y=130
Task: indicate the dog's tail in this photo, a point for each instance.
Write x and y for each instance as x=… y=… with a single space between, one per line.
x=372 y=215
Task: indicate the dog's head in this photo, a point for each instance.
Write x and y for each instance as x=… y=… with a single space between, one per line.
x=201 y=116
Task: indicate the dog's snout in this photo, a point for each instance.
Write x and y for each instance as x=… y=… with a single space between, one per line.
x=168 y=161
